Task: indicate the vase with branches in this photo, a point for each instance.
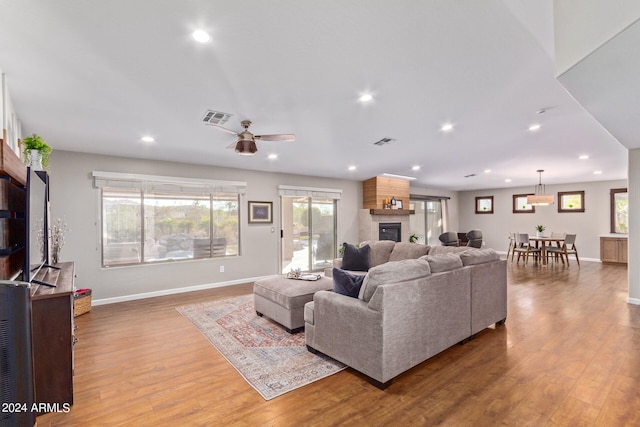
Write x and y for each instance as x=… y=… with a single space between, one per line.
x=57 y=232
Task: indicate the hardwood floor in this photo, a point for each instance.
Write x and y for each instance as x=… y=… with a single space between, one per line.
x=569 y=354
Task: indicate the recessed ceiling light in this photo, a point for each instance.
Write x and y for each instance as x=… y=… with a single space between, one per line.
x=507 y=180
x=487 y=171
x=584 y=157
x=352 y=168
x=201 y=36
x=147 y=138
x=415 y=168
x=272 y=156
x=446 y=127
x=367 y=97
x=597 y=172
x=534 y=127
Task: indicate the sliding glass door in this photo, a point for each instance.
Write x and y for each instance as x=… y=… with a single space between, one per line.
x=308 y=233
x=427 y=222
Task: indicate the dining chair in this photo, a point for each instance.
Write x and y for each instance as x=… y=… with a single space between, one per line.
x=556 y=235
x=449 y=238
x=567 y=248
x=474 y=238
x=524 y=248
x=512 y=244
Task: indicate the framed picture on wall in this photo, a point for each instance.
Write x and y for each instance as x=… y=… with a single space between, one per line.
x=260 y=212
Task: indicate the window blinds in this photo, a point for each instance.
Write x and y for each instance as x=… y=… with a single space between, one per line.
x=312 y=192
x=166 y=183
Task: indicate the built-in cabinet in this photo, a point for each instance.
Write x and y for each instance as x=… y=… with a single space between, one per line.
x=53 y=335
x=13 y=178
x=613 y=250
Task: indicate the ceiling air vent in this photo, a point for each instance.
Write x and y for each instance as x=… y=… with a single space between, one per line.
x=384 y=141
x=215 y=118
x=470 y=175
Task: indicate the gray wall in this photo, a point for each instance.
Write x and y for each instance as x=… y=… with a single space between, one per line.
x=497 y=226
x=75 y=200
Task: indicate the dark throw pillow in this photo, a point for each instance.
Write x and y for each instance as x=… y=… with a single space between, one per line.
x=355 y=259
x=346 y=283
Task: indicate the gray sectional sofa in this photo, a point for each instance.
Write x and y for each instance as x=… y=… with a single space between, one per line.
x=383 y=251
x=408 y=311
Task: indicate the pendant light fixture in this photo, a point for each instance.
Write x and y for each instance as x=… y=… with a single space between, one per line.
x=540 y=198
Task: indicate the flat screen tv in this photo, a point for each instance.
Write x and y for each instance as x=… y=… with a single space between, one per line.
x=37 y=226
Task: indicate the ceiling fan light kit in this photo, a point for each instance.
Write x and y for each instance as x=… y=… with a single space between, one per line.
x=246 y=147
x=540 y=198
x=246 y=142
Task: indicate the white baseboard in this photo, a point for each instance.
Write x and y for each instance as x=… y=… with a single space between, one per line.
x=635 y=301
x=173 y=291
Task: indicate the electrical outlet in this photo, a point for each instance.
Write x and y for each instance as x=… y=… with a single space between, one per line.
x=222 y=269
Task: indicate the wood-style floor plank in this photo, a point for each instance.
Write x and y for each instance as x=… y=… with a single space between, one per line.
x=569 y=355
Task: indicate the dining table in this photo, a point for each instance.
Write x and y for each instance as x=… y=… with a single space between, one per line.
x=542 y=242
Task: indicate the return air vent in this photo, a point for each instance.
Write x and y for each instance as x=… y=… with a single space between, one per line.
x=215 y=118
x=384 y=141
x=470 y=175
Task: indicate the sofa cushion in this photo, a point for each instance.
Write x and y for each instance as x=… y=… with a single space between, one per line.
x=380 y=251
x=406 y=250
x=346 y=283
x=437 y=250
x=443 y=262
x=478 y=256
x=356 y=258
x=392 y=272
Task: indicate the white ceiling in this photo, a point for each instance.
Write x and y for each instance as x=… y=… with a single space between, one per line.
x=94 y=77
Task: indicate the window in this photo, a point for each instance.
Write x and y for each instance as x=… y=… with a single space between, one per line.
x=147 y=220
x=571 y=201
x=484 y=205
x=520 y=204
x=619 y=210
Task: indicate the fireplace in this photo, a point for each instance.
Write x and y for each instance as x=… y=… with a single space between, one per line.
x=390 y=231
x=369 y=224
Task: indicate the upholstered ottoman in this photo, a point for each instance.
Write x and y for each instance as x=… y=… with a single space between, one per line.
x=283 y=300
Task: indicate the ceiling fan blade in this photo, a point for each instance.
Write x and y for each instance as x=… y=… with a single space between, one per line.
x=224 y=129
x=232 y=145
x=276 y=137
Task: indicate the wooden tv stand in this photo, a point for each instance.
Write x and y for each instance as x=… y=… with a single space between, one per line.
x=52 y=338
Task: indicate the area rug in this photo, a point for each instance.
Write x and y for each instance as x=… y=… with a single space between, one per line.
x=270 y=359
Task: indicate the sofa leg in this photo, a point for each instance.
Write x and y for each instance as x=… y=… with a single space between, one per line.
x=295 y=330
x=501 y=322
x=466 y=340
x=312 y=350
x=259 y=314
x=378 y=384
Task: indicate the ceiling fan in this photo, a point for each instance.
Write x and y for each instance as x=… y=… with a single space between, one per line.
x=246 y=142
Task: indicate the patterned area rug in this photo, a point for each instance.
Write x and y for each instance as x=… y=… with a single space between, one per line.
x=272 y=361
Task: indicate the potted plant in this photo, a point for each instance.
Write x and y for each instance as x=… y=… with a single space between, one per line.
x=36 y=152
x=539 y=230
x=413 y=238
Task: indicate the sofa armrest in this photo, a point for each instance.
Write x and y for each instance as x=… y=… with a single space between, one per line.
x=339 y=332
x=337 y=263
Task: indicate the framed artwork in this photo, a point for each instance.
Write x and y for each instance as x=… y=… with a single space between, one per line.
x=484 y=205
x=520 y=204
x=260 y=212
x=570 y=201
x=398 y=204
